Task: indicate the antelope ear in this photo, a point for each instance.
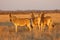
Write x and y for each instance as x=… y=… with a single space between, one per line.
x=9 y=14
x=10 y=20
x=32 y=15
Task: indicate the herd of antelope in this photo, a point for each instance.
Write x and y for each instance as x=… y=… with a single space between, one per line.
x=40 y=21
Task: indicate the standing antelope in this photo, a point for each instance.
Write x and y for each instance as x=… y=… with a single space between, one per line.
x=36 y=21
x=46 y=21
x=20 y=22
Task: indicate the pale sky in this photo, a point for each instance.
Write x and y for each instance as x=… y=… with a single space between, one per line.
x=29 y=4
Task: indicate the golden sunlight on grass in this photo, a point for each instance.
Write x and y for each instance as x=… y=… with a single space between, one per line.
x=7 y=29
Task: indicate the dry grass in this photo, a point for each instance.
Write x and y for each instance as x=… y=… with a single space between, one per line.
x=7 y=31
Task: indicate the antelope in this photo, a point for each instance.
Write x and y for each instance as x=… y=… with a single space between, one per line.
x=36 y=21
x=46 y=21
x=20 y=22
